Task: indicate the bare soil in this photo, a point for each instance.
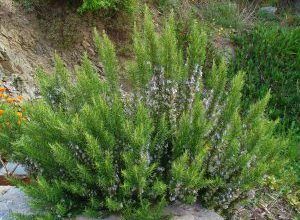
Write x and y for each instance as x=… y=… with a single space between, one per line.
x=29 y=39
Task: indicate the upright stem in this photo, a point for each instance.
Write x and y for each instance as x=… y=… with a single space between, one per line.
x=5 y=167
x=12 y=172
x=3 y=164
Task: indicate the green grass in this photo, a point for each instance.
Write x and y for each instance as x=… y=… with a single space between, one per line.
x=224 y=13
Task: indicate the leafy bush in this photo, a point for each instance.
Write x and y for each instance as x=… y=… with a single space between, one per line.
x=91 y=147
x=271 y=58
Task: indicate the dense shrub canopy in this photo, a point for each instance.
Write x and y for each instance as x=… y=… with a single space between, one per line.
x=92 y=147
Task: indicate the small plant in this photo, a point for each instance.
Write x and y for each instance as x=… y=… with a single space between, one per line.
x=178 y=135
x=11 y=118
x=88 y=5
x=92 y=5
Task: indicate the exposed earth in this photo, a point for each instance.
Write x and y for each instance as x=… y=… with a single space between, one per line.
x=28 y=40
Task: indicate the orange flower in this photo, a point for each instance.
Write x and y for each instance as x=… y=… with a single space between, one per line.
x=1 y=95
x=19 y=114
x=10 y=100
x=1 y=111
x=2 y=89
x=19 y=98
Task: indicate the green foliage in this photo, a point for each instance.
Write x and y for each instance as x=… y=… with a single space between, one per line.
x=177 y=136
x=11 y=117
x=146 y=211
x=92 y=5
x=128 y=6
x=267 y=17
x=294 y=150
x=9 y=129
x=222 y=12
x=33 y=217
x=271 y=58
x=270 y=55
x=167 y=3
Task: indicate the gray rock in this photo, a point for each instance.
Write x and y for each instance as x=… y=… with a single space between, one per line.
x=188 y=212
x=19 y=171
x=178 y=212
x=269 y=9
x=12 y=200
x=112 y=217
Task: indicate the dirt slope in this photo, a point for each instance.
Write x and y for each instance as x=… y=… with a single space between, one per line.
x=21 y=48
x=28 y=39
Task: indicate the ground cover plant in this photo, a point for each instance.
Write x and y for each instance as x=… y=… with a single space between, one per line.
x=177 y=135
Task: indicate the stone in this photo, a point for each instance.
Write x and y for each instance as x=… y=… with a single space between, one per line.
x=269 y=9
x=188 y=212
x=4 y=189
x=19 y=171
x=112 y=217
x=4 y=31
x=12 y=200
x=3 y=54
x=178 y=212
